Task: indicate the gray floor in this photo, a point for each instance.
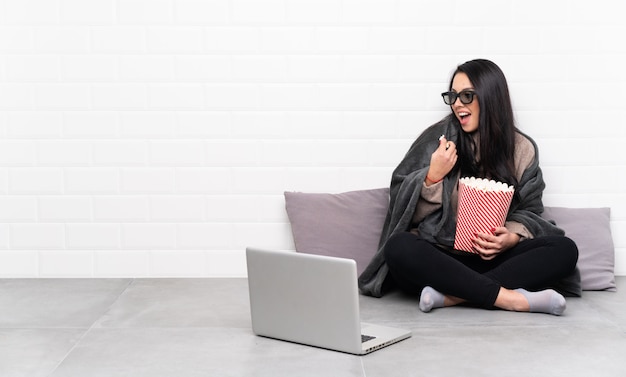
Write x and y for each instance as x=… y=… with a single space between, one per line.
x=201 y=327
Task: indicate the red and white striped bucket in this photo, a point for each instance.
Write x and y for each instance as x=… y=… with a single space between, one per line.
x=483 y=205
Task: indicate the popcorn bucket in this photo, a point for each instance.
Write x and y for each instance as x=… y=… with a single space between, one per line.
x=483 y=205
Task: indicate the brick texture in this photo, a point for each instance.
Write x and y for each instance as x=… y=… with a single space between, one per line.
x=156 y=137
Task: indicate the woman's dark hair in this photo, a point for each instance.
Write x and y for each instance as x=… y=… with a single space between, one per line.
x=496 y=129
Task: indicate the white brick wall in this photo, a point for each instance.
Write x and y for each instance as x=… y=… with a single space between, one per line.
x=156 y=137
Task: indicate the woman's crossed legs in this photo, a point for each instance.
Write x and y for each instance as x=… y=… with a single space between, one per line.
x=516 y=280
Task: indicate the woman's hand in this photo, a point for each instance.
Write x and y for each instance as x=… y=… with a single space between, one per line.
x=442 y=161
x=489 y=246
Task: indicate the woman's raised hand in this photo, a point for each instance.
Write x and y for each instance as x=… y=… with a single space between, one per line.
x=442 y=161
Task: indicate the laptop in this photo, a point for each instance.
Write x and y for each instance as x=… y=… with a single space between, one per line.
x=312 y=300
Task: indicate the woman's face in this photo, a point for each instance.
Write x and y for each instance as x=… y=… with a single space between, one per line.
x=467 y=115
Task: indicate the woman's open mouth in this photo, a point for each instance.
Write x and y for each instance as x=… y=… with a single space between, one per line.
x=463 y=117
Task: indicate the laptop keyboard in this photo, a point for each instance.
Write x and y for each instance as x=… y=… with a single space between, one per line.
x=365 y=338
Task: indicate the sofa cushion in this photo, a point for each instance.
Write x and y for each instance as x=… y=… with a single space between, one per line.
x=590 y=229
x=346 y=225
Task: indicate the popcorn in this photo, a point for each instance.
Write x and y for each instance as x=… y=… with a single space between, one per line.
x=483 y=205
x=486 y=185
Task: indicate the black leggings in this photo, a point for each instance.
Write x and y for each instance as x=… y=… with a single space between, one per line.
x=533 y=264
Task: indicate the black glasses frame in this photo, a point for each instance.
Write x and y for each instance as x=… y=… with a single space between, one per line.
x=466 y=97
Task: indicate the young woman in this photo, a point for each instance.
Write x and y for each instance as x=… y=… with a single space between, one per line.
x=521 y=266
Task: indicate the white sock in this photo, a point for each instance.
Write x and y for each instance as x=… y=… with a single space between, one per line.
x=430 y=299
x=547 y=301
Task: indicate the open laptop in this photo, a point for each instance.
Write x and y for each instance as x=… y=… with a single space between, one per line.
x=313 y=300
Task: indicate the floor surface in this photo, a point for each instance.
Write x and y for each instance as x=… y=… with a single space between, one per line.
x=201 y=327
